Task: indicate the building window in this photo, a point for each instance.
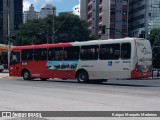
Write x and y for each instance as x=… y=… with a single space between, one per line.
x=112 y=20
x=124 y=13
x=113 y=2
x=124 y=21
x=125 y=2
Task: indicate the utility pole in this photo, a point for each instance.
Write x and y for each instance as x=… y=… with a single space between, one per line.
x=9 y=34
x=53 y=34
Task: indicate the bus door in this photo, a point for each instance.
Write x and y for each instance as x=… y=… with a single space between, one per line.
x=144 y=54
x=14 y=69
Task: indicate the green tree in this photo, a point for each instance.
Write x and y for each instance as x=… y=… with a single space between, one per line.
x=154 y=36
x=32 y=32
x=68 y=28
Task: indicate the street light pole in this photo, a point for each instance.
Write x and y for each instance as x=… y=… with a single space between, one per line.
x=9 y=40
x=53 y=36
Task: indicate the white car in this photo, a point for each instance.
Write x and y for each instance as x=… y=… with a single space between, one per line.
x=1 y=68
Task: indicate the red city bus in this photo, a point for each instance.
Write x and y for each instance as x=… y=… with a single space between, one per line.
x=91 y=60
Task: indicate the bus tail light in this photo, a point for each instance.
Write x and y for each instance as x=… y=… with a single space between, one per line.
x=134 y=73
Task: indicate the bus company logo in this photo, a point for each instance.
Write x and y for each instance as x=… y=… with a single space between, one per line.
x=109 y=63
x=6 y=114
x=145 y=51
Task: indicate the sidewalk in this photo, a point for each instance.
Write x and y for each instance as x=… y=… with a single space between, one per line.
x=4 y=74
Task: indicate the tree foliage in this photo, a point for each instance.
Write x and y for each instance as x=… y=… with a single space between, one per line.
x=68 y=28
x=154 y=36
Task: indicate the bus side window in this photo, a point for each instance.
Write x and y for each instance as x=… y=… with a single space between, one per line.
x=109 y=52
x=89 y=52
x=126 y=51
x=40 y=54
x=27 y=54
x=71 y=53
x=55 y=54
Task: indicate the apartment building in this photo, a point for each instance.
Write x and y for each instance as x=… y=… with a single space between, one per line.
x=109 y=15
x=47 y=10
x=144 y=15
x=30 y=14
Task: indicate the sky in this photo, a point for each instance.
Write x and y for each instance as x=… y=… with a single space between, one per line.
x=61 y=5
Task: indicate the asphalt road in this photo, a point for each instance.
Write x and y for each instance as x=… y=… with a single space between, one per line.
x=56 y=95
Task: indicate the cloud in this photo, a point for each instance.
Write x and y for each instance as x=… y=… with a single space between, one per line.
x=76 y=9
x=26 y=5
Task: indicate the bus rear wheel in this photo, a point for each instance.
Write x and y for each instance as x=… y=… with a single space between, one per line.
x=26 y=75
x=82 y=77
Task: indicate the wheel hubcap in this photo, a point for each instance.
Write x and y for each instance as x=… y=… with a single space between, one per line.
x=25 y=75
x=82 y=77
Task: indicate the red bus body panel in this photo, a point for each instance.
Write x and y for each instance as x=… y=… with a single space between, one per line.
x=38 y=69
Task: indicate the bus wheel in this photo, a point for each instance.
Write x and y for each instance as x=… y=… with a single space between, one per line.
x=82 y=77
x=26 y=75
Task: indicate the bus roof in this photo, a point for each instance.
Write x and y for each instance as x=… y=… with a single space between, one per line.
x=91 y=42
x=41 y=46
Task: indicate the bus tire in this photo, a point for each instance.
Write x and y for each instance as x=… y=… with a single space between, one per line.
x=26 y=75
x=82 y=76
